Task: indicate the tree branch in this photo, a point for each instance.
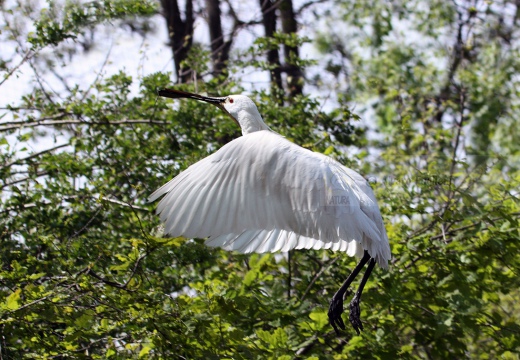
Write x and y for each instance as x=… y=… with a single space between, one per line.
x=26 y=57
x=21 y=124
x=116 y=284
x=38 y=174
x=316 y=277
x=32 y=156
x=309 y=4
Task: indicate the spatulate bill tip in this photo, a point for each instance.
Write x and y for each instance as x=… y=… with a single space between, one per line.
x=172 y=93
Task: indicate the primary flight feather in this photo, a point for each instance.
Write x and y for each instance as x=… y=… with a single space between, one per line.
x=262 y=193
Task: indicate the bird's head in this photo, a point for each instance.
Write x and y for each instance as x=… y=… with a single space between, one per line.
x=239 y=107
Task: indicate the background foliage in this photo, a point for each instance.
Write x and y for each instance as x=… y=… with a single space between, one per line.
x=84 y=270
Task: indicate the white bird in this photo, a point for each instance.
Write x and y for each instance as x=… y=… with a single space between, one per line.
x=262 y=193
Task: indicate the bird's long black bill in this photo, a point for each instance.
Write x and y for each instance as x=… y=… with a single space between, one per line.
x=178 y=94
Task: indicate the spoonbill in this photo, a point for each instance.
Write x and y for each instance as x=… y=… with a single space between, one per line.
x=262 y=193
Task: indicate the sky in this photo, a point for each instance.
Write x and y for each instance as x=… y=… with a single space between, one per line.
x=116 y=48
x=141 y=56
x=136 y=55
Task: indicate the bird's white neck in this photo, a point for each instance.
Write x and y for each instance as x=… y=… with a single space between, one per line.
x=250 y=121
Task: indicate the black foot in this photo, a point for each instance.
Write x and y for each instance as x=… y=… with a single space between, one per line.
x=355 y=314
x=335 y=311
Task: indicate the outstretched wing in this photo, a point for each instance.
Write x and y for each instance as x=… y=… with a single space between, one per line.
x=262 y=193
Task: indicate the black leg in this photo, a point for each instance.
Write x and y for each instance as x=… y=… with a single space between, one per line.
x=355 y=312
x=336 y=304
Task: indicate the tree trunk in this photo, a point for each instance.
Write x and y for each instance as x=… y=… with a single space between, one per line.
x=291 y=53
x=180 y=34
x=219 y=47
x=273 y=58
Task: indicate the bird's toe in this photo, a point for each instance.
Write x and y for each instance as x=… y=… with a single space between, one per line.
x=335 y=311
x=355 y=315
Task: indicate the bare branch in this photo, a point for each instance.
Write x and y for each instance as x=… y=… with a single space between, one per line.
x=105 y=280
x=316 y=277
x=33 y=302
x=308 y=4
x=32 y=156
x=31 y=205
x=26 y=57
x=466 y=227
x=452 y=232
x=17 y=181
x=84 y=227
x=455 y=148
x=116 y=284
x=68 y=198
x=98 y=75
x=22 y=124
x=122 y=203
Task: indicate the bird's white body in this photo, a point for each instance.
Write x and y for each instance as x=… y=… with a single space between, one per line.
x=262 y=193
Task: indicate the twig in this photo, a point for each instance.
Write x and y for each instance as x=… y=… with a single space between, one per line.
x=98 y=74
x=476 y=223
x=32 y=156
x=38 y=174
x=22 y=122
x=122 y=203
x=104 y=280
x=316 y=277
x=454 y=155
x=308 y=4
x=68 y=198
x=84 y=227
x=79 y=122
x=26 y=57
x=453 y=232
x=116 y=284
x=32 y=303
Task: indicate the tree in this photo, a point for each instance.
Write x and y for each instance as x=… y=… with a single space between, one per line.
x=180 y=33
x=273 y=57
x=448 y=201
x=85 y=272
x=219 y=47
x=291 y=52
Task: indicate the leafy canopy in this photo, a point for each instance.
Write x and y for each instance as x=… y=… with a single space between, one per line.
x=84 y=270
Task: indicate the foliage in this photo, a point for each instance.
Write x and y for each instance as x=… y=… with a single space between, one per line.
x=57 y=24
x=85 y=272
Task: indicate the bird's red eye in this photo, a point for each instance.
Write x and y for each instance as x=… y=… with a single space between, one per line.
x=231 y=101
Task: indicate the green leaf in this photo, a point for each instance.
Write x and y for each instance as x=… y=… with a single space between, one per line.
x=13 y=300
x=145 y=350
x=320 y=318
x=110 y=352
x=36 y=276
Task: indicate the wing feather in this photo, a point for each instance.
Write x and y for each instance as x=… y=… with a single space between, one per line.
x=262 y=193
